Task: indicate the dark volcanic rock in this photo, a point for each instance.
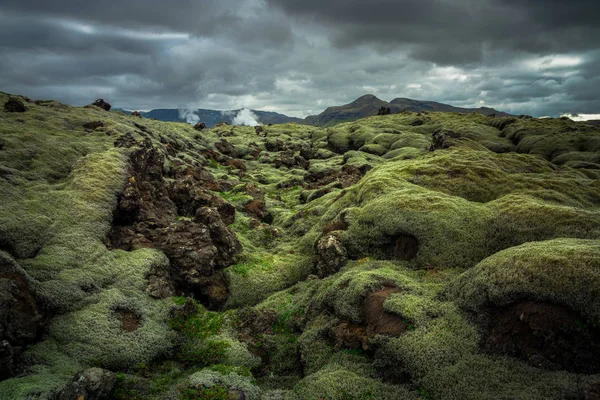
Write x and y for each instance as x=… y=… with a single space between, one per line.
x=348 y=176
x=189 y=195
x=199 y=126
x=91 y=384
x=289 y=159
x=102 y=104
x=384 y=111
x=226 y=148
x=14 y=105
x=545 y=335
x=127 y=140
x=442 y=139
x=258 y=209
x=93 y=125
x=149 y=214
x=136 y=114
x=330 y=255
x=20 y=317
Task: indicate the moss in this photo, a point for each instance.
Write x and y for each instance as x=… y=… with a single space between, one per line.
x=209 y=378
x=448 y=230
x=339 y=384
x=478 y=377
x=431 y=345
x=262 y=275
x=107 y=344
x=563 y=271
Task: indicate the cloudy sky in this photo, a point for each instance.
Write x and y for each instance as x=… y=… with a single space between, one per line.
x=538 y=57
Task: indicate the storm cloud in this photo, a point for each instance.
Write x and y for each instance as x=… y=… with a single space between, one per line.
x=300 y=56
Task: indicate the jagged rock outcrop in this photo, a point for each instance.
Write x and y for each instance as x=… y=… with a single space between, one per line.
x=330 y=255
x=442 y=139
x=183 y=220
x=14 y=105
x=20 y=316
x=102 y=104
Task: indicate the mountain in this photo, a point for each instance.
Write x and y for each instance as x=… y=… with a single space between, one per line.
x=212 y=117
x=369 y=105
x=403 y=104
x=364 y=106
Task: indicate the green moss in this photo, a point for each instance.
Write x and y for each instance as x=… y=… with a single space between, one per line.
x=261 y=275
x=478 y=377
x=563 y=271
x=339 y=384
x=209 y=378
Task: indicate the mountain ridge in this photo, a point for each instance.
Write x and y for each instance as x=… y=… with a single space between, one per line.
x=369 y=105
x=365 y=106
x=212 y=117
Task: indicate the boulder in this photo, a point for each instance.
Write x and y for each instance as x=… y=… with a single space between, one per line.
x=14 y=105
x=199 y=126
x=93 y=125
x=20 y=317
x=91 y=384
x=442 y=139
x=384 y=111
x=330 y=255
x=183 y=220
x=102 y=104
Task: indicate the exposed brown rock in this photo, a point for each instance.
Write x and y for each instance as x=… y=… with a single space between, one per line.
x=199 y=126
x=402 y=247
x=225 y=147
x=375 y=321
x=545 y=335
x=20 y=316
x=290 y=159
x=236 y=163
x=93 y=125
x=337 y=225
x=348 y=176
x=14 y=105
x=130 y=321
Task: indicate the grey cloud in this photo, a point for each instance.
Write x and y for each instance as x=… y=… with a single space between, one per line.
x=298 y=57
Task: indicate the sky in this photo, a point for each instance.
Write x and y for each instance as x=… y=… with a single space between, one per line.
x=297 y=57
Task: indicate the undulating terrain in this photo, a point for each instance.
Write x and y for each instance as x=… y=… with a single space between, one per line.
x=404 y=256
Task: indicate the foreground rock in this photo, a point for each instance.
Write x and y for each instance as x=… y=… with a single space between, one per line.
x=91 y=384
x=102 y=104
x=181 y=219
x=14 y=105
x=330 y=255
x=20 y=317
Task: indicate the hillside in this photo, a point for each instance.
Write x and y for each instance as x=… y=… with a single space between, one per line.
x=213 y=117
x=369 y=105
x=423 y=255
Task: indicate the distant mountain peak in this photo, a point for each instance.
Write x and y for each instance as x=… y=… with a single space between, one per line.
x=369 y=105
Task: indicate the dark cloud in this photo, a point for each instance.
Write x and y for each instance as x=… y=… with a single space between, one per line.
x=539 y=57
x=451 y=32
